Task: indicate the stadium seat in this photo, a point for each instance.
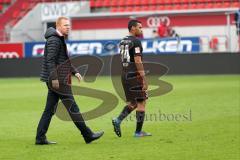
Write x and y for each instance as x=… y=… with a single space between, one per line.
x=236 y=4
x=114 y=9
x=25 y=6
x=177 y=6
x=160 y=7
x=121 y=3
x=185 y=1
x=144 y=8
x=152 y=8
x=201 y=5
x=6 y=1
x=128 y=9
x=114 y=3
x=193 y=6
x=120 y=9
x=138 y=2
x=107 y=3
x=92 y=4
x=226 y=4
x=129 y=3
x=153 y=2
x=15 y=14
x=146 y=5
x=168 y=7
x=218 y=5
x=98 y=4
x=209 y=5
x=145 y=2
x=137 y=8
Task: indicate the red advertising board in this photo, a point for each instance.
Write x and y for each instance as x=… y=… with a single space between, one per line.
x=11 y=50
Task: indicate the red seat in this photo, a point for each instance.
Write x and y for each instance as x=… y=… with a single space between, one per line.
x=209 y=5
x=129 y=2
x=153 y=2
x=144 y=8
x=177 y=6
x=137 y=8
x=133 y=2
x=205 y=1
x=92 y=4
x=226 y=4
x=164 y=4
x=185 y=1
x=16 y=14
x=6 y=1
x=193 y=6
x=129 y=9
x=121 y=3
x=220 y=0
x=201 y=5
x=116 y=3
x=152 y=8
x=168 y=7
x=106 y=3
x=198 y=1
x=160 y=7
x=25 y=6
x=236 y=4
x=137 y=2
x=98 y=4
x=145 y=2
x=184 y=6
x=121 y=9
x=176 y=1
x=218 y=5
x=114 y=9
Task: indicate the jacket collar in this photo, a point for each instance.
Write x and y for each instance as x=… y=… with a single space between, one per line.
x=59 y=33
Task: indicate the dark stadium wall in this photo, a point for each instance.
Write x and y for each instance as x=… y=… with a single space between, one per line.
x=219 y=63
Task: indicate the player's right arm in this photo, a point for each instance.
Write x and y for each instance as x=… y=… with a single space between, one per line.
x=140 y=70
x=138 y=61
x=53 y=48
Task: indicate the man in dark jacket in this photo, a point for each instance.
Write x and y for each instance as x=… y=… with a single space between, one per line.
x=56 y=72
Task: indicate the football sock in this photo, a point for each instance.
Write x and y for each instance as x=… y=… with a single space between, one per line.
x=125 y=112
x=140 y=115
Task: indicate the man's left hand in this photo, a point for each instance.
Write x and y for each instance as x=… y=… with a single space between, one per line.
x=79 y=77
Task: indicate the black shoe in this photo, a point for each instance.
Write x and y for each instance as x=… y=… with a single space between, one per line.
x=44 y=142
x=116 y=126
x=93 y=137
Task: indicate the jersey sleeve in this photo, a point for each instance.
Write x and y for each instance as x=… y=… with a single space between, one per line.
x=137 y=48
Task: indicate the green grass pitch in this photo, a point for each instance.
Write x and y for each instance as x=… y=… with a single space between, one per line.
x=209 y=131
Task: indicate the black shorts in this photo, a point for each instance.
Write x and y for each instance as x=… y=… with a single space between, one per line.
x=132 y=85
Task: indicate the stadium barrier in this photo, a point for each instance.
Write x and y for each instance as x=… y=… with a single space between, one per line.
x=224 y=63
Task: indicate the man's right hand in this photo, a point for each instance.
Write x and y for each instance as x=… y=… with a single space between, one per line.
x=55 y=84
x=144 y=82
x=145 y=85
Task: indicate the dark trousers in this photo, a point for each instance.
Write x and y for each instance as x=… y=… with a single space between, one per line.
x=50 y=108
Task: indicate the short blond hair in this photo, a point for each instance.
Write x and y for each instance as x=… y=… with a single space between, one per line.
x=59 y=20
